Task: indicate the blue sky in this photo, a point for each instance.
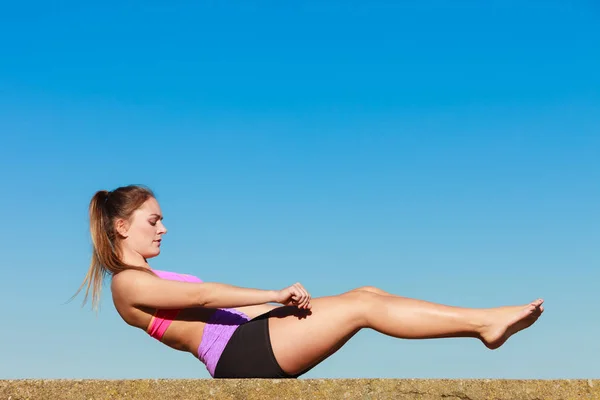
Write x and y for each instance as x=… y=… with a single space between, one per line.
x=443 y=152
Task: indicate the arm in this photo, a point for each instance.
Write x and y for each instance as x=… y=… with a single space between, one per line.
x=141 y=289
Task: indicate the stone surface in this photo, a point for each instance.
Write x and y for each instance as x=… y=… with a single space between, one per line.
x=250 y=389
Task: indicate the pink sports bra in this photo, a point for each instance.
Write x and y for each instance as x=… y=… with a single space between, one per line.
x=163 y=318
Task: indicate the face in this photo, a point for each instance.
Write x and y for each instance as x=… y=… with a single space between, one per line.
x=143 y=232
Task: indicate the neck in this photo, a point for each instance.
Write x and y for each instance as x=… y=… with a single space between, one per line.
x=132 y=258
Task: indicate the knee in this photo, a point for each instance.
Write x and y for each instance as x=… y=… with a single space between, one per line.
x=363 y=301
x=370 y=289
x=368 y=302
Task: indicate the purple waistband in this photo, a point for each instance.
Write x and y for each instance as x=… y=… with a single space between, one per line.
x=217 y=332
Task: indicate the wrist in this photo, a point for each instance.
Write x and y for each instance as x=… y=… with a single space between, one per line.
x=272 y=296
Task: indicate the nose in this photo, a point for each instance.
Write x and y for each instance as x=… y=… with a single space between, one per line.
x=163 y=229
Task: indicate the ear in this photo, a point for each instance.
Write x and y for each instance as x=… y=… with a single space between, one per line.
x=122 y=227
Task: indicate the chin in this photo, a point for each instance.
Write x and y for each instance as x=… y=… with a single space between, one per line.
x=152 y=254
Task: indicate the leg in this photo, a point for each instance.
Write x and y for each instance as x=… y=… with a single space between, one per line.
x=301 y=341
x=342 y=340
x=373 y=289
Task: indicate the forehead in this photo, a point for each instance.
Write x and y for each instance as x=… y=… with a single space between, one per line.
x=150 y=206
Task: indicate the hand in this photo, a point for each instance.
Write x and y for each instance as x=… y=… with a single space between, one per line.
x=294 y=295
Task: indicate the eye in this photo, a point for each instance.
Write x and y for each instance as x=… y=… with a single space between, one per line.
x=153 y=223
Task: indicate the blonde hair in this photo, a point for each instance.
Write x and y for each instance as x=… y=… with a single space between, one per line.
x=104 y=209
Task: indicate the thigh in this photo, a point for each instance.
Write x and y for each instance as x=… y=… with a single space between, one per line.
x=302 y=339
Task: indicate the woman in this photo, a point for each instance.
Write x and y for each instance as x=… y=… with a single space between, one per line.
x=234 y=331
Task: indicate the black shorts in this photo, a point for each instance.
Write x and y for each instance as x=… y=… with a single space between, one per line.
x=249 y=354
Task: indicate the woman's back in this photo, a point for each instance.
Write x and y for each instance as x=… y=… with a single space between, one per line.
x=185 y=327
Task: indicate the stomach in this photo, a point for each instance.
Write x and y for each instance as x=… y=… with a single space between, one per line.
x=186 y=330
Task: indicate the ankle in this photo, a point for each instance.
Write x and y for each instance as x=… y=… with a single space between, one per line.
x=480 y=323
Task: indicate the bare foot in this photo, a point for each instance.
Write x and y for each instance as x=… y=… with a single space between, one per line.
x=506 y=321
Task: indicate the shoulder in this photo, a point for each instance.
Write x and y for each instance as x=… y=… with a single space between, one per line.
x=129 y=278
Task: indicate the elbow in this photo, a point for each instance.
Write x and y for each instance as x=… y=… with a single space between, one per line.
x=204 y=298
x=202 y=302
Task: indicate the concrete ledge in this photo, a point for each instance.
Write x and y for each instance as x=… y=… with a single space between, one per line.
x=424 y=389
